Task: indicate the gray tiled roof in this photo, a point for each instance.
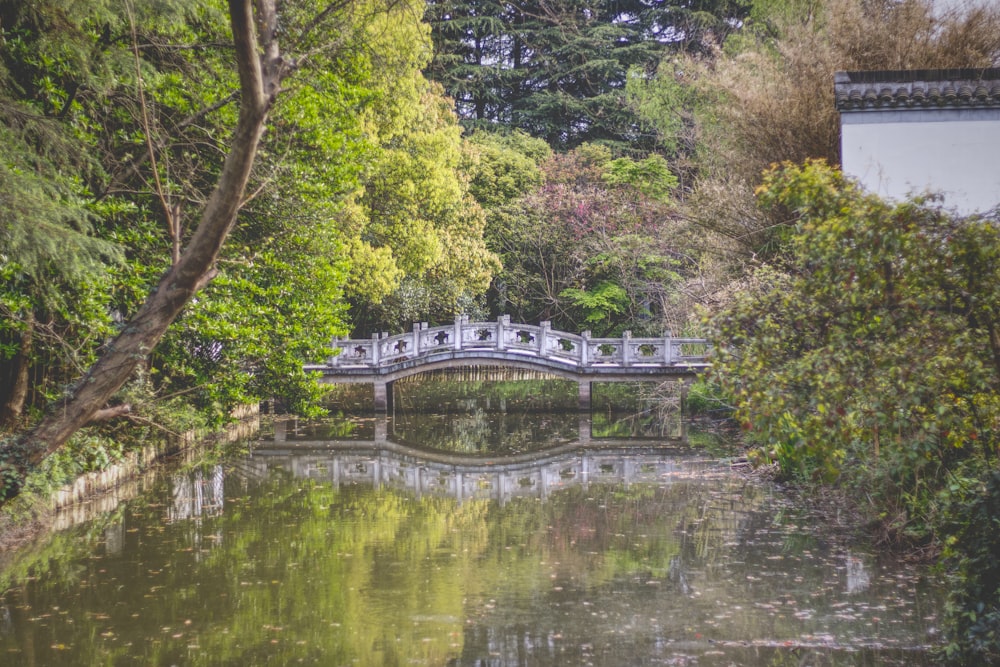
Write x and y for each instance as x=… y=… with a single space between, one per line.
x=918 y=89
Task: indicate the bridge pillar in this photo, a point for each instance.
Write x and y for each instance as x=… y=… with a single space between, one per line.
x=381 y=428
x=585 y=429
x=584 y=390
x=383 y=396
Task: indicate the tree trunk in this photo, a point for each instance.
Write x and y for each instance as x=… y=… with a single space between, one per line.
x=259 y=66
x=17 y=393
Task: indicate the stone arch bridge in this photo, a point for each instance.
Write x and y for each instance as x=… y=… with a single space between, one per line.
x=382 y=359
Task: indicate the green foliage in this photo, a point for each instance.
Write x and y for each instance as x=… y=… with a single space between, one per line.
x=650 y=176
x=247 y=339
x=705 y=397
x=972 y=530
x=665 y=102
x=873 y=355
x=503 y=167
x=590 y=247
x=599 y=305
x=558 y=70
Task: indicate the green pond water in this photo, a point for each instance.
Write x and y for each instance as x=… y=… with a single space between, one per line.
x=475 y=526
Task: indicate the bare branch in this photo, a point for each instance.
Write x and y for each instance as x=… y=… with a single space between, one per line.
x=172 y=213
x=330 y=9
x=150 y=422
x=114 y=412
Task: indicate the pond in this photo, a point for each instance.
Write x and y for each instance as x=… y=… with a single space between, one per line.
x=489 y=530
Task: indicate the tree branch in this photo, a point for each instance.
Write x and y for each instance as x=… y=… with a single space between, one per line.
x=115 y=412
x=181 y=281
x=133 y=164
x=171 y=212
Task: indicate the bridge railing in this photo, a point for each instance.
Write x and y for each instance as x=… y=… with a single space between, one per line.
x=518 y=339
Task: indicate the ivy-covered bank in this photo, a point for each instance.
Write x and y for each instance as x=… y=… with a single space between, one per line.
x=868 y=357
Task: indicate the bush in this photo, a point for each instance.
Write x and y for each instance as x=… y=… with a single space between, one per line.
x=972 y=545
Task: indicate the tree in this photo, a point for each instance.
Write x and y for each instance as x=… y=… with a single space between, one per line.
x=591 y=246
x=557 y=68
x=766 y=96
x=875 y=355
x=504 y=167
x=873 y=361
x=262 y=68
x=415 y=200
x=53 y=269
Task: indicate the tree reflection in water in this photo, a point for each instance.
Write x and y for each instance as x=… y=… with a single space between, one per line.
x=364 y=549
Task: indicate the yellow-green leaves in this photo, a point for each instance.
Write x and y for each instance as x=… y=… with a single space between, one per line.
x=878 y=342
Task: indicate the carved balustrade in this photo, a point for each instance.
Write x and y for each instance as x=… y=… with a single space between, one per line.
x=541 y=341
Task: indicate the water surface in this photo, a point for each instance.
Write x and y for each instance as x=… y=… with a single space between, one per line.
x=468 y=536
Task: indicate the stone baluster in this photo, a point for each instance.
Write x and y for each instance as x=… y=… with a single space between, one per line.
x=626 y=348
x=459 y=321
x=502 y=322
x=543 y=337
x=668 y=348
x=585 y=348
x=417 y=327
x=334 y=360
x=376 y=348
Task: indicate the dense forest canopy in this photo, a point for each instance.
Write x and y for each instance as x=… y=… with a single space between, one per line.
x=195 y=196
x=557 y=68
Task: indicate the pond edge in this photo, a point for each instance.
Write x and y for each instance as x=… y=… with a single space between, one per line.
x=93 y=493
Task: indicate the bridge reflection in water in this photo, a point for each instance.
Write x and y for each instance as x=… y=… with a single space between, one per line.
x=380 y=462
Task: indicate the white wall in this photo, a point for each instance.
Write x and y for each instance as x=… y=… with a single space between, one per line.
x=954 y=152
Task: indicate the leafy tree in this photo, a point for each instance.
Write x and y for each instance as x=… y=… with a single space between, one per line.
x=589 y=247
x=503 y=167
x=557 y=68
x=874 y=356
x=766 y=97
x=418 y=208
x=165 y=121
x=53 y=267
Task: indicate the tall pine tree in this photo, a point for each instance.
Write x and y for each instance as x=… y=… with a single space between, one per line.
x=557 y=68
